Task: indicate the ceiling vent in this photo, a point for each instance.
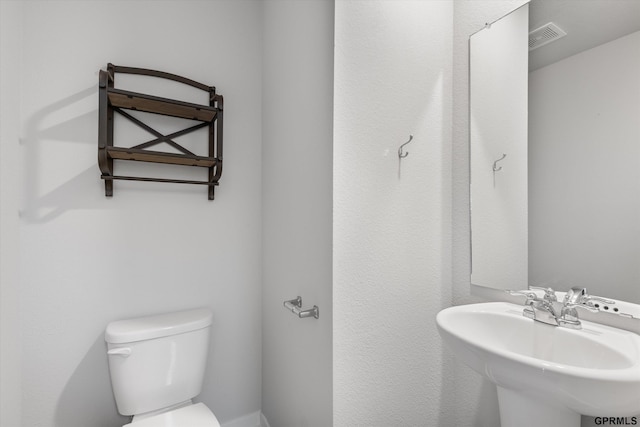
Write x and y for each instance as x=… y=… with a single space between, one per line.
x=546 y=34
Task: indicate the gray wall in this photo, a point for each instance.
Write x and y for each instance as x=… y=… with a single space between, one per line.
x=86 y=260
x=586 y=230
x=10 y=331
x=297 y=211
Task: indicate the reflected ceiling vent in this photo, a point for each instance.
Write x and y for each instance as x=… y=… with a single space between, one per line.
x=544 y=35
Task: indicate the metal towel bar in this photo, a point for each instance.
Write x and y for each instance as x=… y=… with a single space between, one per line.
x=295 y=306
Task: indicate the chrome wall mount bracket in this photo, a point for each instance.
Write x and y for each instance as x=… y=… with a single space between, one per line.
x=295 y=306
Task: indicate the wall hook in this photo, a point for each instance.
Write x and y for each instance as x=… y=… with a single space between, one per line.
x=495 y=164
x=400 y=153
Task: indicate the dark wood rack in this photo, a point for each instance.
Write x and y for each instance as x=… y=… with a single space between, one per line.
x=117 y=100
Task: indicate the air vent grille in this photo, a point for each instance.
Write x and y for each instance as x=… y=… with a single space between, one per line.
x=546 y=34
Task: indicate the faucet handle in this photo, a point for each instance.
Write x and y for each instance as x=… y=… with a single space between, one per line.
x=589 y=298
x=531 y=296
x=549 y=293
x=579 y=296
x=575 y=295
x=569 y=305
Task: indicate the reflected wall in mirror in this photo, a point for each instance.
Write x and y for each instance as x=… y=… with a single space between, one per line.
x=498 y=129
x=583 y=156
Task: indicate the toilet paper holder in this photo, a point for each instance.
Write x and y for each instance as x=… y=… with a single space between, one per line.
x=295 y=306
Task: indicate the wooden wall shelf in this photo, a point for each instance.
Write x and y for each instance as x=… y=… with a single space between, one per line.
x=114 y=100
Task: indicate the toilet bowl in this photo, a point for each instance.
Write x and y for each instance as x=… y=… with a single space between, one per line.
x=157 y=366
x=197 y=415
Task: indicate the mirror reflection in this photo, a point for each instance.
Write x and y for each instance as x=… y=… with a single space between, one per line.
x=579 y=222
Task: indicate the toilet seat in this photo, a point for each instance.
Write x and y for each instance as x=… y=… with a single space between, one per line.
x=197 y=415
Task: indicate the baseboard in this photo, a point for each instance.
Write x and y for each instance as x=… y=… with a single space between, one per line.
x=250 y=420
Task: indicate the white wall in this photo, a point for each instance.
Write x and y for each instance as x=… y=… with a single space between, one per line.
x=476 y=398
x=585 y=173
x=86 y=260
x=391 y=227
x=297 y=211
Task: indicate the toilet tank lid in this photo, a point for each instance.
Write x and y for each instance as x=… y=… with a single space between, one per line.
x=162 y=325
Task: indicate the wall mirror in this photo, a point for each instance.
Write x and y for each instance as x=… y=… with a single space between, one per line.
x=555 y=148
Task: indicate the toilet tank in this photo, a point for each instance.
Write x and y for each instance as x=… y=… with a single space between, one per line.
x=157 y=361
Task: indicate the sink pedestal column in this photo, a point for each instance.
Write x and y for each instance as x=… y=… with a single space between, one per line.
x=517 y=410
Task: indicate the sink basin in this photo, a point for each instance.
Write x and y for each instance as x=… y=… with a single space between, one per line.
x=546 y=375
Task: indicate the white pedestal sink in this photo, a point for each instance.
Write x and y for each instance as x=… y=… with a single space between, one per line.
x=546 y=375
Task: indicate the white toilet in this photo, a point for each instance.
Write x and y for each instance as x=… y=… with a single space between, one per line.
x=157 y=366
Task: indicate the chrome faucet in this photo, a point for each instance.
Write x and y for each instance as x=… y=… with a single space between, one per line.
x=578 y=297
x=548 y=310
x=575 y=297
x=542 y=309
